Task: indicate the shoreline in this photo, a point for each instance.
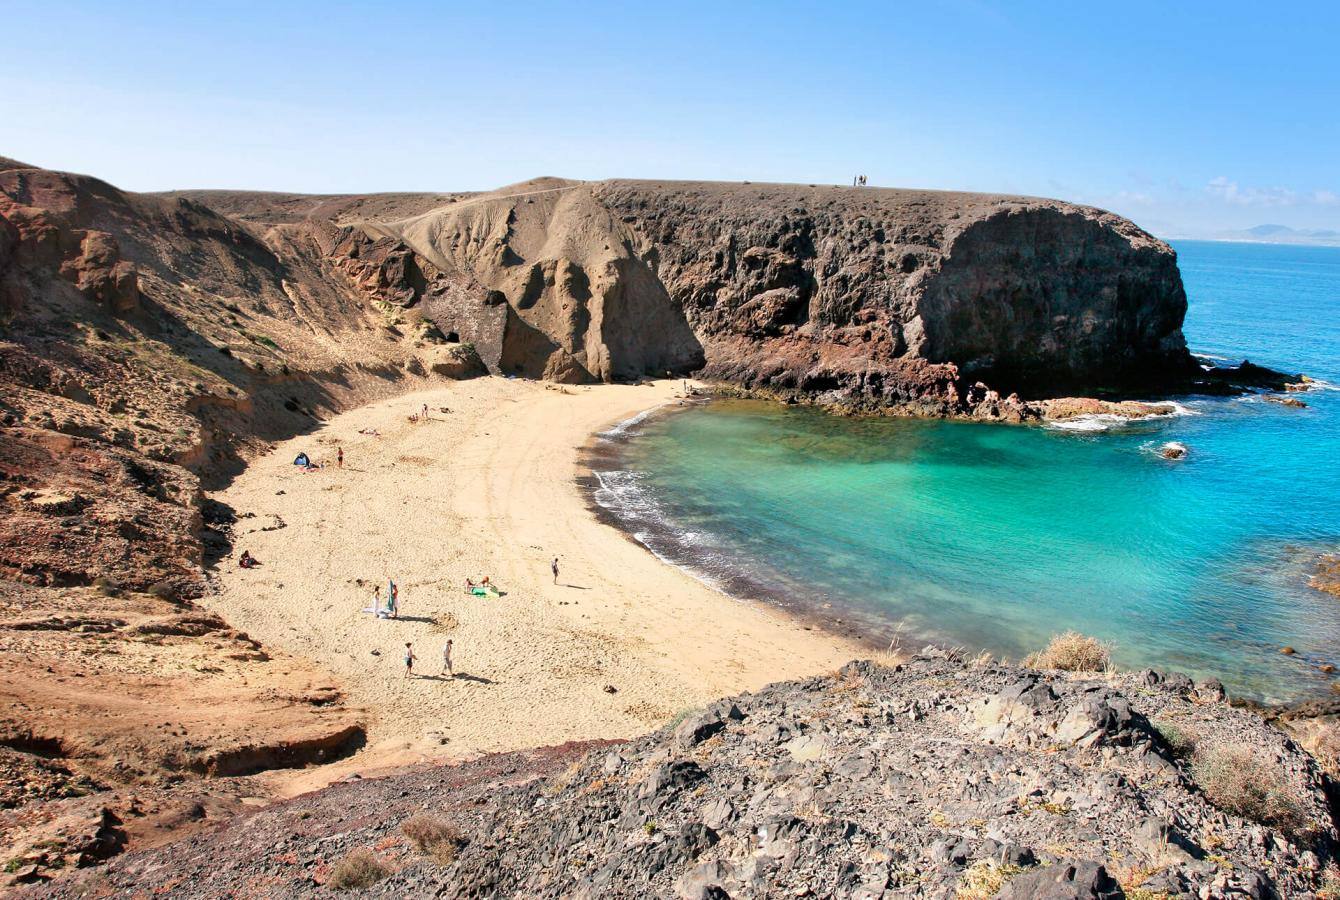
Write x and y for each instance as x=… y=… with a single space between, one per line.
x=487 y=488
x=638 y=514
x=829 y=615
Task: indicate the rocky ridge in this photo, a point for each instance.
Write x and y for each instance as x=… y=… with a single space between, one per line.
x=874 y=298
x=939 y=777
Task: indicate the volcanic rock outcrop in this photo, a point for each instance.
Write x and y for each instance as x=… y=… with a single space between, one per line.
x=869 y=298
x=938 y=778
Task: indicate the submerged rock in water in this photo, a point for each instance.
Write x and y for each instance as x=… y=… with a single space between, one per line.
x=1173 y=450
x=1326 y=574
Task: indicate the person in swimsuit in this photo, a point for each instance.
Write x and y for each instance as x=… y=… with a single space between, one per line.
x=409 y=659
x=446 y=659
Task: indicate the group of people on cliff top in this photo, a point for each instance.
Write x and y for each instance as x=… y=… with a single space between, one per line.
x=858 y=181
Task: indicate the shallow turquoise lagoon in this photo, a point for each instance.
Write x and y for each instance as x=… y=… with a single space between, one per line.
x=995 y=537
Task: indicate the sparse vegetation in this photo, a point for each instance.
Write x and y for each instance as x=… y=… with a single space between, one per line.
x=434 y=838
x=984 y=879
x=1238 y=782
x=359 y=869
x=1330 y=884
x=1071 y=651
x=1132 y=879
x=1181 y=743
x=106 y=586
x=682 y=715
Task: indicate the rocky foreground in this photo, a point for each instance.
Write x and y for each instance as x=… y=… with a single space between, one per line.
x=935 y=778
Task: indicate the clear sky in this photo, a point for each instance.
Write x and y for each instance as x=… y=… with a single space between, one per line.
x=1190 y=117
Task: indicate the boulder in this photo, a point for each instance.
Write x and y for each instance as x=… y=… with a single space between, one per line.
x=1103 y=720
x=1084 y=880
x=1173 y=450
x=457 y=361
x=698 y=728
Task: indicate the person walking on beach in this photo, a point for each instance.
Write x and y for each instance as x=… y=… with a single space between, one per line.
x=554 y=567
x=339 y=457
x=446 y=659
x=425 y=412
x=409 y=659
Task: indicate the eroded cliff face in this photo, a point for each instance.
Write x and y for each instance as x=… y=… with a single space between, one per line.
x=864 y=297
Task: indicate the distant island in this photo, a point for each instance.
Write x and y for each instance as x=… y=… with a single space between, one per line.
x=1282 y=234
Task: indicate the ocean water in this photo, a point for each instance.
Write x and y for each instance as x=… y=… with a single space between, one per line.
x=995 y=537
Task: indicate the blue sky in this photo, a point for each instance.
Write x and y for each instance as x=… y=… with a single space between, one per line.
x=1192 y=118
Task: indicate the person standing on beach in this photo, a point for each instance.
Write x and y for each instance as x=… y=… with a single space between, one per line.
x=425 y=412
x=376 y=599
x=409 y=659
x=554 y=566
x=339 y=457
x=392 y=599
x=446 y=659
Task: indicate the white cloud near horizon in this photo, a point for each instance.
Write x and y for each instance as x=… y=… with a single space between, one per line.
x=1230 y=191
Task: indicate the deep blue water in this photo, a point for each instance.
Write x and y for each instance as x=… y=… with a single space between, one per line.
x=995 y=537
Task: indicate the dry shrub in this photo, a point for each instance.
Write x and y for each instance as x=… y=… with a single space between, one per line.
x=1238 y=782
x=359 y=869
x=984 y=879
x=1073 y=652
x=434 y=838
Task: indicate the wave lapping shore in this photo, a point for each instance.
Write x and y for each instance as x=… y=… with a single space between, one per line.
x=616 y=644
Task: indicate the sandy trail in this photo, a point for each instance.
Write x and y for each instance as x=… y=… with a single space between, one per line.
x=488 y=489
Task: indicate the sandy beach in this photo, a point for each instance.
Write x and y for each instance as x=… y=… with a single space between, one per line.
x=488 y=488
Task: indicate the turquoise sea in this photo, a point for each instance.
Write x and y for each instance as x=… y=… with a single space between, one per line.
x=995 y=537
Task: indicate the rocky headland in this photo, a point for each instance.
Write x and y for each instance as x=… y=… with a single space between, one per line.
x=152 y=344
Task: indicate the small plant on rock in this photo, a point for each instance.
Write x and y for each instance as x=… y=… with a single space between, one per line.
x=434 y=838
x=359 y=869
x=984 y=879
x=1071 y=651
x=1181 y=743
x=1237 y=781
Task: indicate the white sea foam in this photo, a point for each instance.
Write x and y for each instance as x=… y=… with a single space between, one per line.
x=624 y=495
x=1091 y=423
x=1096 y=422
x=627 y=425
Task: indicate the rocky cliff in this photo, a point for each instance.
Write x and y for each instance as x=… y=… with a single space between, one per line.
x=938 y=778
x=865 y=297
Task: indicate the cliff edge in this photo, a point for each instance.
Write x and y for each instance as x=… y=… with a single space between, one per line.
x=863 y=297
